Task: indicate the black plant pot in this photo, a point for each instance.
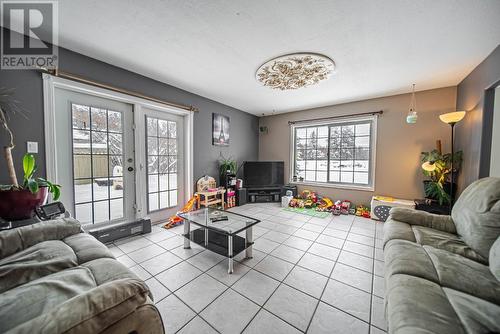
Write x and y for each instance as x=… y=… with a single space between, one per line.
x=446 y=187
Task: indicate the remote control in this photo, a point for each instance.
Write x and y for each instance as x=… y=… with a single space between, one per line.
x=218 y=219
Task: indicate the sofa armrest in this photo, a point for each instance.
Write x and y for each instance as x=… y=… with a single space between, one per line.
x=92 y=311
x=422 y=218
x=18 y=239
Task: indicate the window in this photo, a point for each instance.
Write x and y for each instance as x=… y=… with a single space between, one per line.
x=97 y=144
x=162 y=163
x=339 y=153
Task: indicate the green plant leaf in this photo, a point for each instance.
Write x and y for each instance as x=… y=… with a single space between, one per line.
x=54 y=189
x=56 y=192
x=29 y=165
x=32 y=185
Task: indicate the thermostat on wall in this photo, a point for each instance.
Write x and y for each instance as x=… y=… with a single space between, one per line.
x=32 y=147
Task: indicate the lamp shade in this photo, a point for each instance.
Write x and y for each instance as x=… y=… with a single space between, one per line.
x=452 y=117
x=428 y=166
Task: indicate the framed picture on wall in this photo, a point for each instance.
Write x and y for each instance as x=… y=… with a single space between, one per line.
x=220 y=130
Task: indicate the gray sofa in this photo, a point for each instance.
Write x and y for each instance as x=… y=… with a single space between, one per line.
x=442 y=273
x=56 y=279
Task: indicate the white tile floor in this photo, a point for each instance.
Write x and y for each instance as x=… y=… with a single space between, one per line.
x=307 y=274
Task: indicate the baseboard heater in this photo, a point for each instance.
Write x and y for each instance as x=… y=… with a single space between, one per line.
x=108 y=232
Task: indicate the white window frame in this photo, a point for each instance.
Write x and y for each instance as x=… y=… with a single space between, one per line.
x=50 y=83
x=337 y=121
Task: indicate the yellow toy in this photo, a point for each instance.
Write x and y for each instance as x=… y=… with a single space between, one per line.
x=176 y=220
x=324 y=204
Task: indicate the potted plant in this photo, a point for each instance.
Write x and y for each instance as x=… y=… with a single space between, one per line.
x=437 y=167
x=18 y=201
x=226 y=167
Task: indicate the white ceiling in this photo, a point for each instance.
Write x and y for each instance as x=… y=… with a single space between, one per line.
x=213 y=48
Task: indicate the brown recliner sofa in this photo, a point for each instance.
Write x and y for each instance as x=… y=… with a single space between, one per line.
x=56 y=279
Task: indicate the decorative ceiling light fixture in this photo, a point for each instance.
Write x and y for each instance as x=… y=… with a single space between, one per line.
x=412 y=116
x=295 y=71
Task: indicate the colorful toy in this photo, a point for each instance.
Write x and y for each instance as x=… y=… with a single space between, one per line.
x=324 y=204
x=176 y=220
x=345 y=206
x=309 y=203
x=363 y=211
x=336 y=208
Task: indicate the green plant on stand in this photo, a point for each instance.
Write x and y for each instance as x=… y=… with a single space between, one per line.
x=437 y=167
x=227 y=165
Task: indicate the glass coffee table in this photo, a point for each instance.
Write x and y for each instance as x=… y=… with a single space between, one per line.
x=218 y=232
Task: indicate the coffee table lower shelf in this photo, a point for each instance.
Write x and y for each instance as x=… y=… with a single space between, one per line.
x=217 y=242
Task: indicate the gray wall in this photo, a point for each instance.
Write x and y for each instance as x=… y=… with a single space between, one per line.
x=29 y=92
x=473 y=134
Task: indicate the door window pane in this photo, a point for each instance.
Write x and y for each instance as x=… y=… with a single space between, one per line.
x=84 y=213
x=97 y=145
x=83 y=190
x=116 y=208
x=153 y=201
x=99 y=119
x=101 y=211
x=162 y=163
x=114 y=121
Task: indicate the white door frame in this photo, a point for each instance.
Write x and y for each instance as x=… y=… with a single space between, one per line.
x=50 y=83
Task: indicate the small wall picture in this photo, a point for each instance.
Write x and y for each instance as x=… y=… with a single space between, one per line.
x=220 y=130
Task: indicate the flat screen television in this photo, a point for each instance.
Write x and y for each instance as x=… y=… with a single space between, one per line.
x=261 y=174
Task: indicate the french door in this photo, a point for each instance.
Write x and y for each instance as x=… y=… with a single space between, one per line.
x=164 y=156
x=95 y=157
x=117 y=161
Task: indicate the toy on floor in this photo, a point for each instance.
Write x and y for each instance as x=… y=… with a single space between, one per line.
x=324 y=204
x=362 y=211
x=336 y=208
x=175 y=220
x=345 y=206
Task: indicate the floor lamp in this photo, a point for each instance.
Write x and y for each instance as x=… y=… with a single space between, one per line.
x=452 y=118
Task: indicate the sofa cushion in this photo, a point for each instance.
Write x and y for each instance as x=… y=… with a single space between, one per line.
x=34 y=301
x=476 y=214
x=105 y=270
x=406 y=257
x=476 y=315
x=415 y=217
x=495 y=259
x=40 y=260
x=17 y=239
x=442 y=267
x=396 y=230
x=92 y=311
x=462 y=274
x=37 y=297
x=446 y=241
x=416 y=305
x=87 y=248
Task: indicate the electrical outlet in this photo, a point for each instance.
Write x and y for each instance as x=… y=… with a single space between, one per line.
x=32 y=147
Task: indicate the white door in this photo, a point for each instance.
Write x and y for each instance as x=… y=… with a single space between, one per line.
x=95 y=157
x=164 y=156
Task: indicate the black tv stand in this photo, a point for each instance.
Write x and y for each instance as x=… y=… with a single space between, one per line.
x=264 y=194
